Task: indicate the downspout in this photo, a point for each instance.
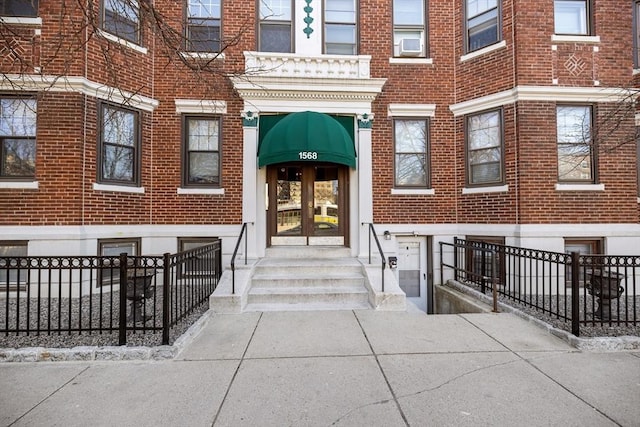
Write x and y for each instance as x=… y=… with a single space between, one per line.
x=515 y=116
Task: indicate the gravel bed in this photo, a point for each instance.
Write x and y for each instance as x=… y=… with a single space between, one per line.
x=87 y=310
x=591 y=326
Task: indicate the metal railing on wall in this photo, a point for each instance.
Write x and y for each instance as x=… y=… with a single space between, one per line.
x=76 y=295
x=374 y=236
x=593 y=290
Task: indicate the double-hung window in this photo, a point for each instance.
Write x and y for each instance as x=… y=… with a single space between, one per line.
x=276 y=26
x=409 y=29
x=575 y=154
x=572 y=17
x=482 y=23
x=411 y=153
x=485 y=148
x=340 y=27
x=203 y=25
x=201 y=152
x=119 y=146
x=17 y=138
x=19 y=8
x=122 y=19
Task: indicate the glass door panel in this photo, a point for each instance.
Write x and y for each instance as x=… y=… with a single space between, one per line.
x=326 y=220
x=289 y=201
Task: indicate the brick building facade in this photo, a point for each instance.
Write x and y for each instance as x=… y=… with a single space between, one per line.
x=507 y=120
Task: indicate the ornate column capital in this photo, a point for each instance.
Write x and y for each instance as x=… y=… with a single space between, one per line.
x=365 y=121
x=249 y=119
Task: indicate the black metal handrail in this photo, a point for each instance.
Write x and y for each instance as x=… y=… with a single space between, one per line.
x=372 y=231
x=235 y=253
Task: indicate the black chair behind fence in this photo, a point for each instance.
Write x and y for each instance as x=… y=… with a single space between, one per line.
x=81 y=294
x=590 y=290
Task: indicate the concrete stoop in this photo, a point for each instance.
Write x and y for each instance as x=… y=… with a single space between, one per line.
x=305 y=278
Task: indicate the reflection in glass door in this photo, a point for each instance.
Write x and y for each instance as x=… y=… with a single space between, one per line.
x=309 y=201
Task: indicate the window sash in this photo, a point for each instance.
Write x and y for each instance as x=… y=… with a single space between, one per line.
x=571 y=17
x=484 y=148
x=275 y=10
x=411 y=153
x=19 y=8
x=575 y=156
x=17 y=276
x=482 y=23
x=340 y=29
x=122 y=18
x=202 y=151
x=119 y=146
x=18 y=157
x=408 y=23
x=275 y=37
x=203 y=25
x=111 y=276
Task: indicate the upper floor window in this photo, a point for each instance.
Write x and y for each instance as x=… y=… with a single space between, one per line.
x=122 y=18
x=275 y=26
x=482 y=23
x=409 y=32
x=484 y=148
x=26 y=8
x=119 y=148
x=340 y=27
x=17 y=138
x=636 y=33
x=572 y=17
x=203 y=25
x=575 y=155
x=201 y=151
x=411 y=152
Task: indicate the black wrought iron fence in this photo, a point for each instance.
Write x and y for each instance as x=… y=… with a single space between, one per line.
x=592 y=290
x=76 y=295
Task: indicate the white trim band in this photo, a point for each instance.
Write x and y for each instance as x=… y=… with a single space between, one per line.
x=118 y=188
x=413 y=192
x=579 y=187
x=200 y=106
x=35 y=82
x=22 y=185
x=480 y=190
x=210 y=191
x=411 y=110
x=483 y=51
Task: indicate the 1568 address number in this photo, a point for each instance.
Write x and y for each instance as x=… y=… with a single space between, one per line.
x=308 y=155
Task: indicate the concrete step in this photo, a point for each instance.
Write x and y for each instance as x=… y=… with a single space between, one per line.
x=308 y=267
x=305 y=298
x=310 y=252
x=297 y=280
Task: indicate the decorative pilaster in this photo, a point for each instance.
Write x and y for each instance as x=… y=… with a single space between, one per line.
x=249 y=119
x=365 y=121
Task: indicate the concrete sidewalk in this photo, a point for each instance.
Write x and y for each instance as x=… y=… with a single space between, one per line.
x=344 y=368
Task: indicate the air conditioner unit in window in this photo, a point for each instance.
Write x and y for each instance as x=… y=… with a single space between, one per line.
x=410 y=47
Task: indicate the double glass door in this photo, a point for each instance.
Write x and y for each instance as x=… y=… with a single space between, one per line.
x=306 y=204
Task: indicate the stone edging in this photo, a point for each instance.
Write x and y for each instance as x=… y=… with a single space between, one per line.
x=110 y=353
x=622 y=343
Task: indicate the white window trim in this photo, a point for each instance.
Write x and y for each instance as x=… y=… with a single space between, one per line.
x=411 y=110
x=396 y=60
x=118 y=188
x=492 y=189
x=484 y=50
x=200 y=106
x=413 y=192
x=211 y=191
x=574 y=39
x=579 y=187
x=218 y=56
x=21 y=20
x=107 y=35
x=23 y=185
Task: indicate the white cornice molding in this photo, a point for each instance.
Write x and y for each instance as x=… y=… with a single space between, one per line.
x=20 y=20
x=200 y=106
x=544 y=93
x=37 y=83
x=286 y=94
x=411 y=110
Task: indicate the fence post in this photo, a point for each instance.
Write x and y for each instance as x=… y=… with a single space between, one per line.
x=455 y=259
x=441 y=265
x=122 y=327
x=165 y=298
x=483 y=268
x=575 y=294
x=494 y=279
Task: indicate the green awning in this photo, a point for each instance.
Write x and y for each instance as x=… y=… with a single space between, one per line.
x=308 y=137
